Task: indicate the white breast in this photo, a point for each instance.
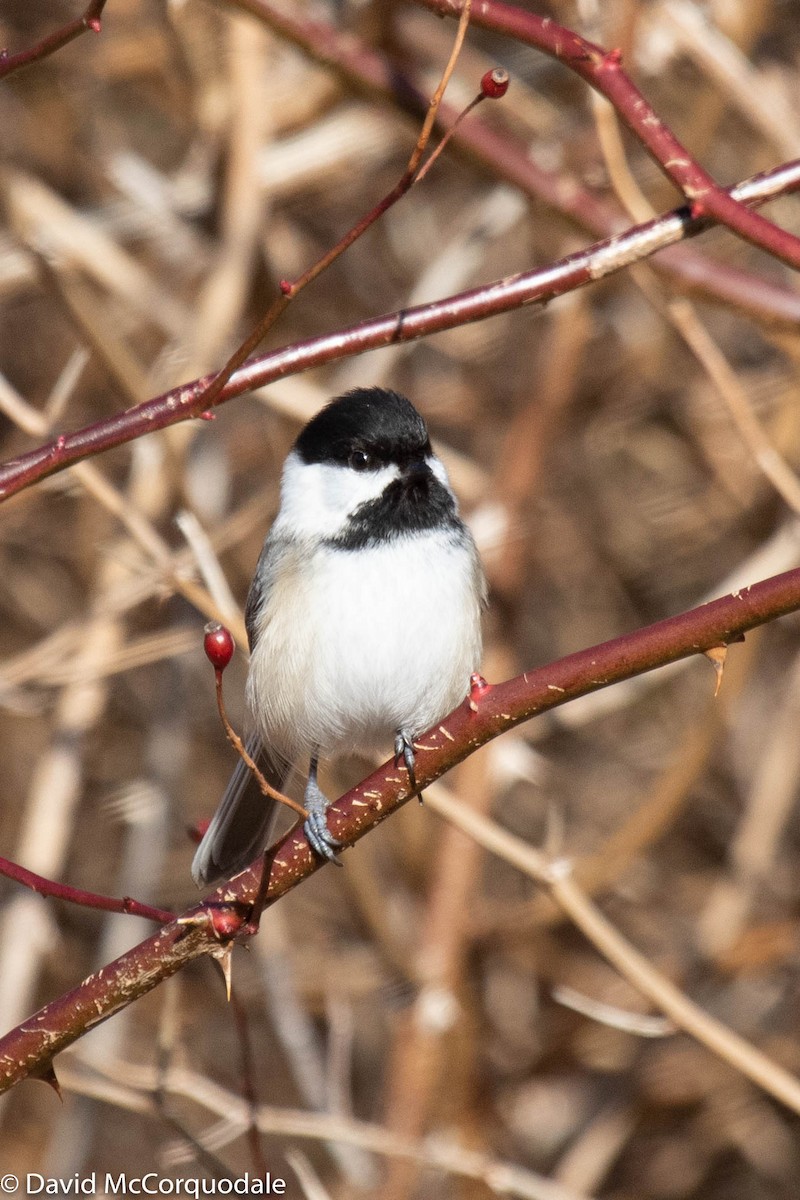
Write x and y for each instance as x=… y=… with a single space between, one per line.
x=385 y=639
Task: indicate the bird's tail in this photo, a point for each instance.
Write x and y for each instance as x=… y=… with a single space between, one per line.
x=243 y=822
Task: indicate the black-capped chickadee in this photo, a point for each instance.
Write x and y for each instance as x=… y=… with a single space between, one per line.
x=363 y=616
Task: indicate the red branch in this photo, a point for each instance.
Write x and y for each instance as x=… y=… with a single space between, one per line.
x=515 y=291
x=54 y=41
x=30 y=1048
x=62 y=891
x=602 y=70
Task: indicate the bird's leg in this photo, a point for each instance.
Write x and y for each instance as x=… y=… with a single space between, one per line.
x=404 y=748
x=316 y=829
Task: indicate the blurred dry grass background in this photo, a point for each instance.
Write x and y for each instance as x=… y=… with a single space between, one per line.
x=156 y=183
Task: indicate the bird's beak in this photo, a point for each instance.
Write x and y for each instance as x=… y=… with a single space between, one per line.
x=417 y=471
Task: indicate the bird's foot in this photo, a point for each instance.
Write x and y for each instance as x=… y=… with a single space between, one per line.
x=404 y=749
x=315 y=827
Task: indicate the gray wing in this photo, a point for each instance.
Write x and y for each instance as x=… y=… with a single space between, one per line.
x=261 y=586
x=242 y=825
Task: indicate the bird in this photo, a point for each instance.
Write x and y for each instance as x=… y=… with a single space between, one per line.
x=363 y=617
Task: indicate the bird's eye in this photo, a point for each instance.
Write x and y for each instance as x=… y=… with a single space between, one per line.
x=361 y=460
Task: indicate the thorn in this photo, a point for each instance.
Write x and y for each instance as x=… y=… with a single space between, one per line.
x=47 y=1074
x=224 y=956
x=717 y=655
x=477 y=687
x=195 y=919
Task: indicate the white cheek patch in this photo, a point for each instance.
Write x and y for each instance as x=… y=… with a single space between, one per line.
x=438 y=468
x=317 y=498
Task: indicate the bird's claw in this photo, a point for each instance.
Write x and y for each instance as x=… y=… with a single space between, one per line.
x=315 y=827
x=404 y=748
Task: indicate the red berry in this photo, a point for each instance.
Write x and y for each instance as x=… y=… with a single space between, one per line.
x=494 y=84
x=218 y=645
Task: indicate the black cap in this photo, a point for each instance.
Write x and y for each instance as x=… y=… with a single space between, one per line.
x=375 y=423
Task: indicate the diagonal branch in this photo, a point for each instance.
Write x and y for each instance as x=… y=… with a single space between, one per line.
x=515 y=291
x=211 y=927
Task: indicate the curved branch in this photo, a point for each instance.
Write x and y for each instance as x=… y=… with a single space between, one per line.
x=211 y=927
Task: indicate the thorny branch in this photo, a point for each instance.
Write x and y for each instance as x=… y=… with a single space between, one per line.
x=210 y=927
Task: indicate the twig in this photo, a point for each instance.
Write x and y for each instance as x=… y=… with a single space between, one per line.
x=54 y=41
x=249 y=1090
x=131 y=1088
x=120 y=506
x=250 y=762
x=755 y=95
x=219 y=647
x=768 y=807
x=55 y=789
x=769 y=461
x=58 y=656
x=62 y=891
x=533 y=287
x=415 y=1073
x=639 y=1024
